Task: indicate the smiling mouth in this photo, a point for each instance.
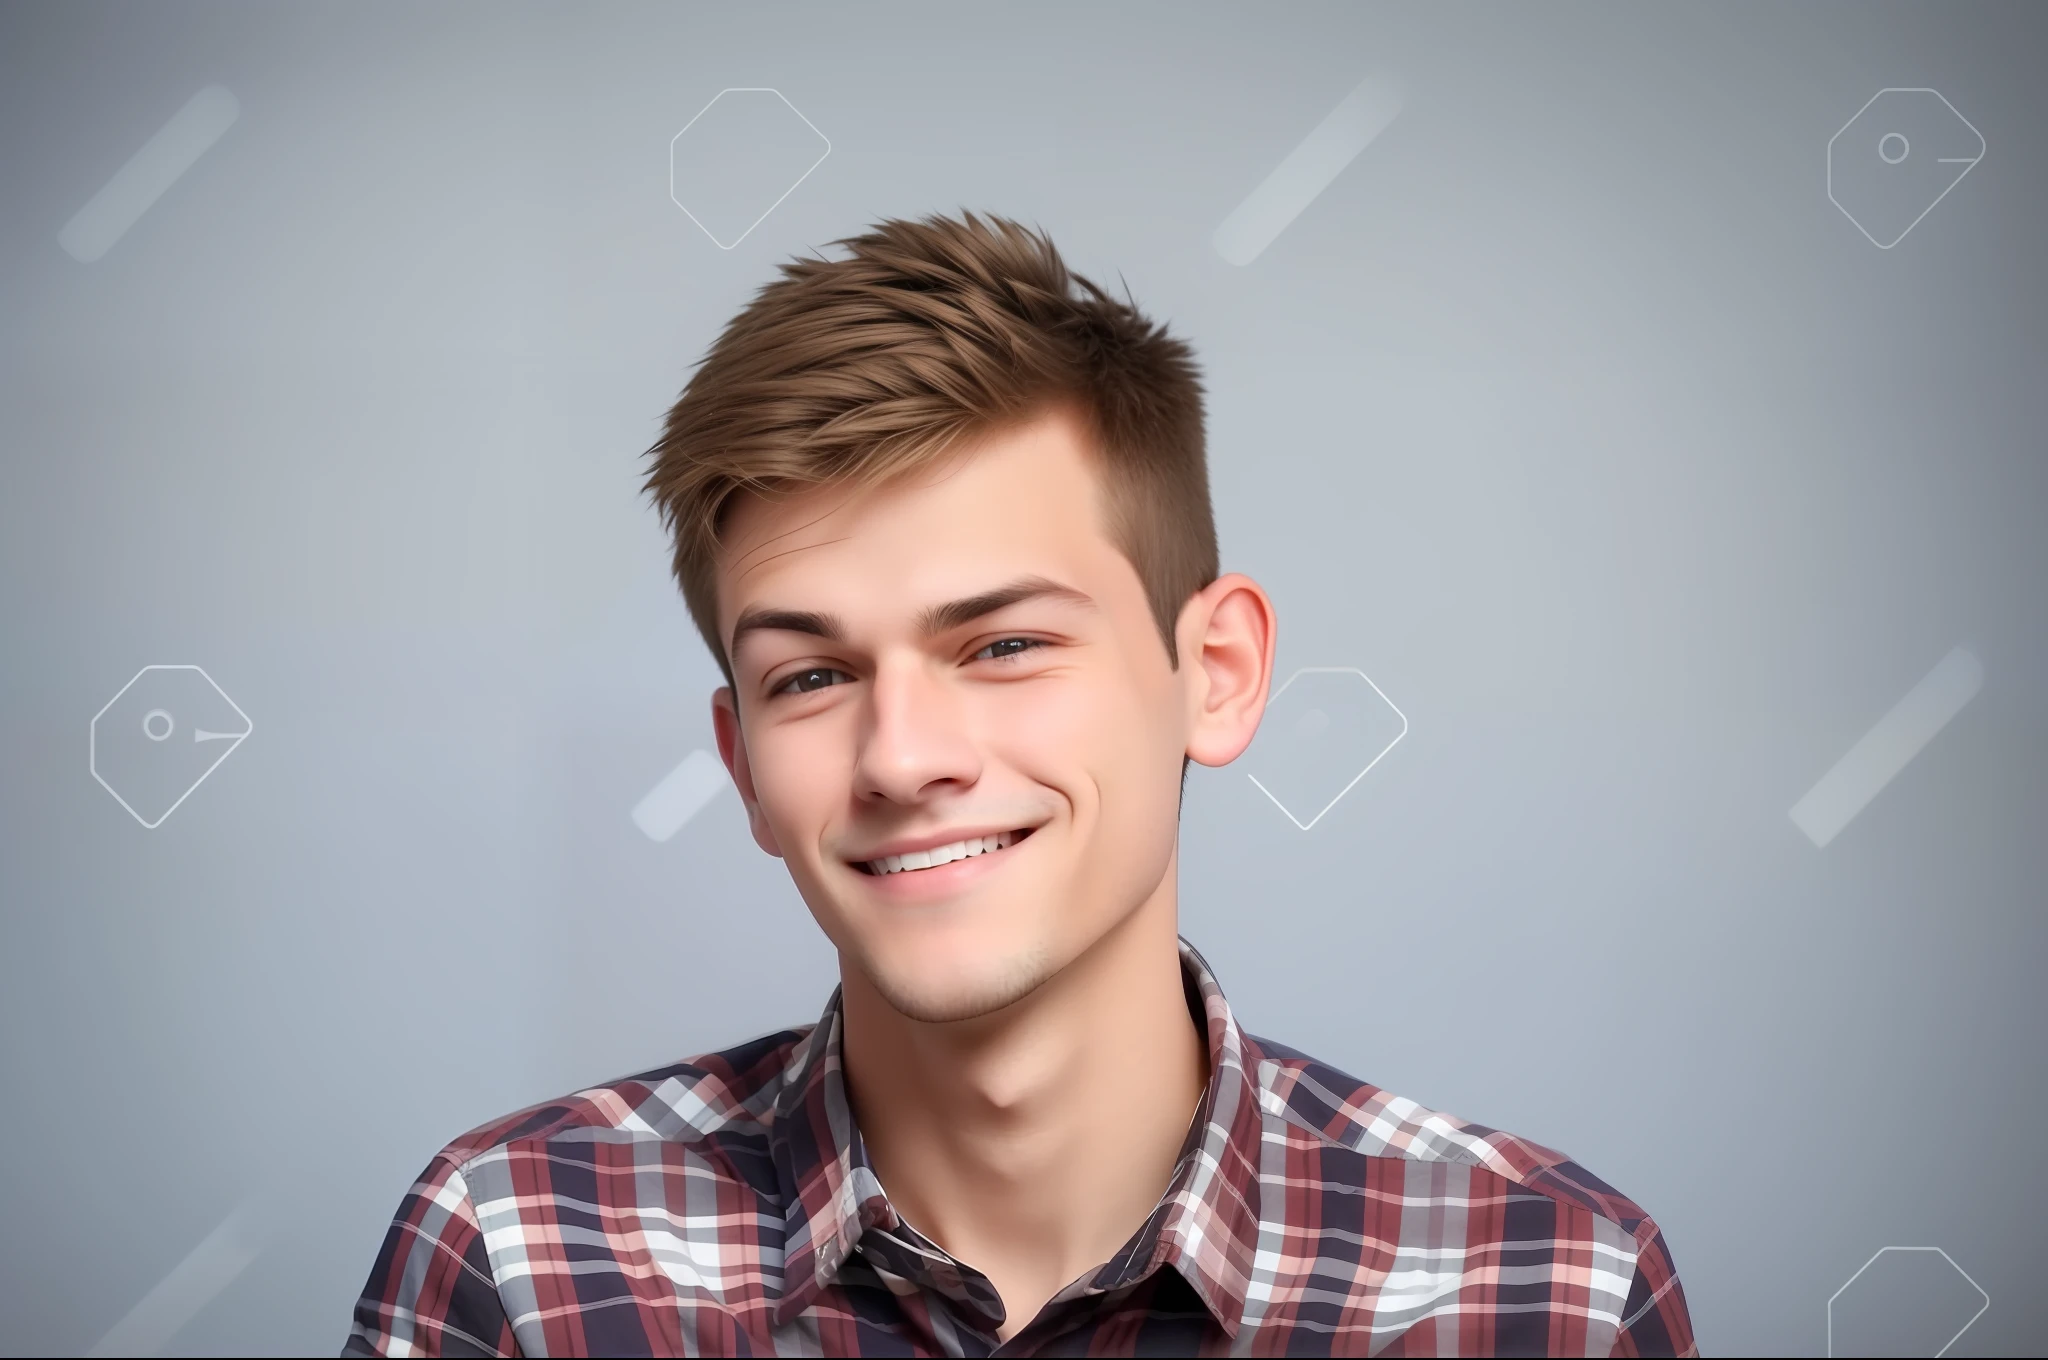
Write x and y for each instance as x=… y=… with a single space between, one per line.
x=921 y=860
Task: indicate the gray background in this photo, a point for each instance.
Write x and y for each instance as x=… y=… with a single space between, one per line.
x=1572 y=412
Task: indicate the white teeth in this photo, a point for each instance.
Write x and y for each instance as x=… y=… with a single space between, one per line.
x=944 y=854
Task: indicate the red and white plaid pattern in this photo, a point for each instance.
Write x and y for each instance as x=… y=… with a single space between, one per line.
x=725 y=1206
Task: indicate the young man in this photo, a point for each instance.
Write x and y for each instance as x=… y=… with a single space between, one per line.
x=941 y=512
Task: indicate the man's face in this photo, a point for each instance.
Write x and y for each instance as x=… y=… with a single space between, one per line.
x=1057 y=715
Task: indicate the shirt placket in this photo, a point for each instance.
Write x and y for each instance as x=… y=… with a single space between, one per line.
x=972 y=1308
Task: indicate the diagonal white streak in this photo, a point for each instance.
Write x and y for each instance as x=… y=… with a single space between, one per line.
x=680 y=795
x=163 y=159
x=193 y=1283
x=1295 y=183
x=1886 y=748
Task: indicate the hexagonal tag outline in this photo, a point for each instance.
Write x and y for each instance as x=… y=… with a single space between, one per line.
x=1938 y=1252
x=1982 y=147
x=742 y=89
x=93 y=737
x=1334 y=670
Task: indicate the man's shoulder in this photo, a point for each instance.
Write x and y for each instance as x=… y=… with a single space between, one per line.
x=1324 y=1104
x=1480 y=1198
x=723 y=1098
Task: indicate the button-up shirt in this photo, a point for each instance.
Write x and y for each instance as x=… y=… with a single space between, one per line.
x=726 y=1206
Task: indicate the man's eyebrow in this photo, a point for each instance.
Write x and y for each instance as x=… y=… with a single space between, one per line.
x=931 y=621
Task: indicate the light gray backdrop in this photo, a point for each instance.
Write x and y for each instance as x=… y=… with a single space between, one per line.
x=1641 y=477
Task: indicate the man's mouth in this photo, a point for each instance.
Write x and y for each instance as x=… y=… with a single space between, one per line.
x=919 y=860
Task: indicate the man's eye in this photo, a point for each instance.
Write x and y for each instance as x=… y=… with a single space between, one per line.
x=806 y=681
x=1027 y=645
x=800 y=679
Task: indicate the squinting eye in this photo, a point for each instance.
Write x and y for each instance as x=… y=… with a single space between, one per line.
x=794 y=682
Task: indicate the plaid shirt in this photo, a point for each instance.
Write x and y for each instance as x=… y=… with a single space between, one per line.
x=725 y=1206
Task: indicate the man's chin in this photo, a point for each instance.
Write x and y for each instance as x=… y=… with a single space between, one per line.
x=945 y=993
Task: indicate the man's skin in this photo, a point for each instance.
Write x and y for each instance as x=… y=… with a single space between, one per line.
x=1018 y=1049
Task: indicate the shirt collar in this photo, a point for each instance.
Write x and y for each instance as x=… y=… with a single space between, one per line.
x=1206 y=1225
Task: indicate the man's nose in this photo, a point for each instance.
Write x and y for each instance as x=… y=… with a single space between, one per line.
x=918 y=731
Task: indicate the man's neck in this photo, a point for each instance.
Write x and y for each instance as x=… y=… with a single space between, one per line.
x=1031 y=1149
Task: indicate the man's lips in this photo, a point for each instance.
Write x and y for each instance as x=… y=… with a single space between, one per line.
x=933 y=840
x=1013 y=838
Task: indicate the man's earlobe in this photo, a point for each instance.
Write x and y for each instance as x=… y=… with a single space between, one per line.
x=732 y=749
x=1233 y=652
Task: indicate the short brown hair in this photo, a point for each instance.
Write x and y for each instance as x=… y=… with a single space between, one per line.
x=931 y=333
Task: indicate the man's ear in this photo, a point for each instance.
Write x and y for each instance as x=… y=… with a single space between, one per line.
x=732 y=749
x=1227 y=637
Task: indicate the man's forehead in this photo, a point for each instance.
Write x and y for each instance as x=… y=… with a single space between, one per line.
x=974 y=520
x=1046 y=452
x=769 y=527
x=760 y=525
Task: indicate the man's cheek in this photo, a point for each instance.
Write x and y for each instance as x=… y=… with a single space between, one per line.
x=1051 y=725
x=785 y=798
